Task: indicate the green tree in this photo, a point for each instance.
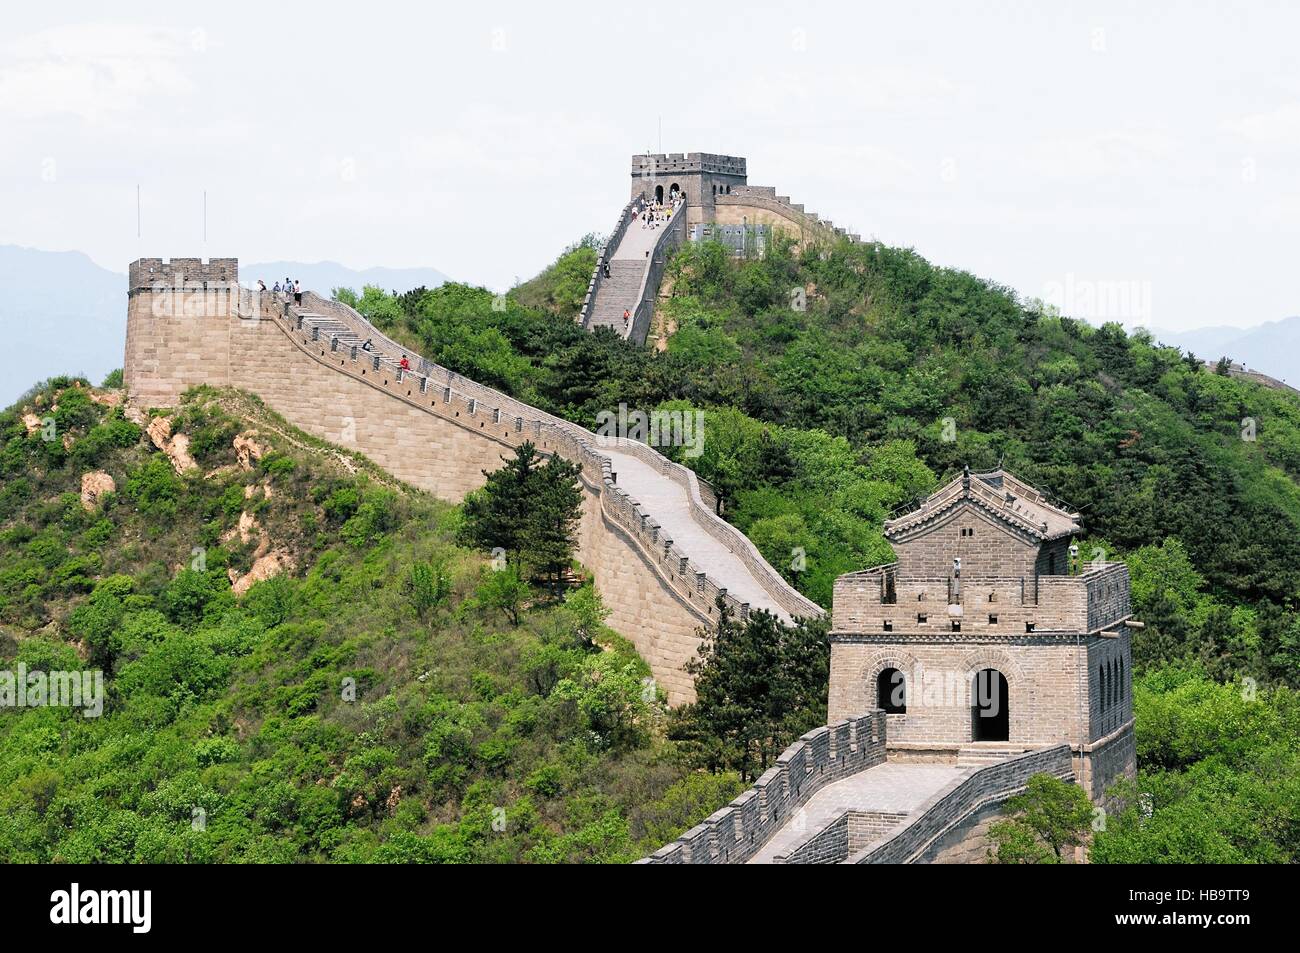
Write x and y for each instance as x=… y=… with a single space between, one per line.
x=531 y=511
x=427 y=587
x=1042 y=823
x=504 y=590
x=759 y=684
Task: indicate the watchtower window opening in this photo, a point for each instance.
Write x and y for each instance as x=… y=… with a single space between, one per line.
x=993 y=619
x=956 y=626
x=659 y=195
x=921 y=618
x=889 y=625
x=891 y=692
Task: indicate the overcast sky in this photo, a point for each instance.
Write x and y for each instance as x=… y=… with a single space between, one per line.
x=1134 y=161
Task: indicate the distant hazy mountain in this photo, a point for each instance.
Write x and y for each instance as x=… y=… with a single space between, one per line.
x=60 y=313
x=1272 y=348
x=323 y=276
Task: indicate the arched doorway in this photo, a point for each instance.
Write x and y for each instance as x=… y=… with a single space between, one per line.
x=891 y=692
x=990 y=706
x=674 y=191
x=659 y=195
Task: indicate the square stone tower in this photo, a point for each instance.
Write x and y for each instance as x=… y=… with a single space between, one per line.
x=987 y=635
x=698 y=175
x=178 y=326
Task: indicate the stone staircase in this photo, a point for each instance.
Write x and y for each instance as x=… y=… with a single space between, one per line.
x=982 y=753
x=635 y=257
x=620 y=291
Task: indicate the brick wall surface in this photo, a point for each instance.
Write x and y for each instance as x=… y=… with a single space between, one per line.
x=736 y=832
x=938 y=823
x=435 y=430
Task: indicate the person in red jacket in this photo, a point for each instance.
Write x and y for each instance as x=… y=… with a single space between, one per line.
x=405 y=365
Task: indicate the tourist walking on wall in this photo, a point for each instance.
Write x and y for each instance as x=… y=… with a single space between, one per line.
x=405 y=364
x=297 y=292
x=261 y=285
x=627 y=316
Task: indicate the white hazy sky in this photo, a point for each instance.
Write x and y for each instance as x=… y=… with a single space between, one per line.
x=1138 y=161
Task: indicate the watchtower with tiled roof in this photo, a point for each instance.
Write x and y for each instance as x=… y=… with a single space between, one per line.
x=989 y=631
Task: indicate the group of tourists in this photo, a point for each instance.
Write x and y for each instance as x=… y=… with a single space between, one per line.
x=293 y=287
x=656 y=213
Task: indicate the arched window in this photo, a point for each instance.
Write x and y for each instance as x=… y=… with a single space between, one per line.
x=990 y=706
x=891 y=692
x=1121 y=680
x=1114 y=686
x=1102 y=698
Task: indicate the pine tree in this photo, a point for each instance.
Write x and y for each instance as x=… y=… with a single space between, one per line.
x=551 y=528
x=530 y=511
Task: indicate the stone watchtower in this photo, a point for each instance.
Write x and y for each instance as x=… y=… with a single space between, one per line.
x=987 y=635
x=179 y=326
x=700 y=176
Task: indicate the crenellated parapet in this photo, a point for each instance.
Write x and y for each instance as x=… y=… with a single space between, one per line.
x=761 y=205
x=735 y=833
x=149 y=274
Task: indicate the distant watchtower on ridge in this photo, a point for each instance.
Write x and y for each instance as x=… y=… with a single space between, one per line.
x=699 y=176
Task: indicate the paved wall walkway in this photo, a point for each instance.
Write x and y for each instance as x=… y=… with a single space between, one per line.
x=661 y=491
x=669 y=503
x=890 y=787
x=628 y=264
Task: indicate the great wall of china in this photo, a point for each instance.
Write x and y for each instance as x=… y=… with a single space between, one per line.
x=883 y=783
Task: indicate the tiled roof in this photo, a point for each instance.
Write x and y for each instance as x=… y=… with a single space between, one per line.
x=1001 y=494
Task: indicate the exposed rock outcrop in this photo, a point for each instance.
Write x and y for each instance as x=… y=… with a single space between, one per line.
x=176 y=446
x=93 y=487
x=247 y=449
x=264 y=567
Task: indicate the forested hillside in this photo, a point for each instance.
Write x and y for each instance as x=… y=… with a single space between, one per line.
x=839 y=386
x=305 y=660
x=300 y=661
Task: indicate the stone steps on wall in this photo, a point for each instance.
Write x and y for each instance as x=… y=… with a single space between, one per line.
x=981 y=753
x=620 y=291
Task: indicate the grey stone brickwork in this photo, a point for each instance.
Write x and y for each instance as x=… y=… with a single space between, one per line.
x=700 y=176
x=736 y=832
x=1016 y=605
x=949 y=818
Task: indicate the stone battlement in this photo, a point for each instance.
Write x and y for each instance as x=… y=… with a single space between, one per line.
x=149 y=273
x=733 y=834
x=674 y=163
x=883 y=600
